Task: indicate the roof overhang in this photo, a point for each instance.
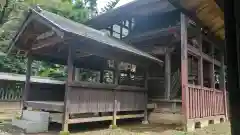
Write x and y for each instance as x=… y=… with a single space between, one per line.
x=127 y=11
x=48 y=36
x=206 y=13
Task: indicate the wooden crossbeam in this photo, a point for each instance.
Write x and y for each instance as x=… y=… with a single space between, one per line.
x=46 y=43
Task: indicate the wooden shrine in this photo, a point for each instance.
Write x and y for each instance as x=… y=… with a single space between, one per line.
x=48 y=37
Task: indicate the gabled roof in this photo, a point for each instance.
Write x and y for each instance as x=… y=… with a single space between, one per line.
x=69 y=33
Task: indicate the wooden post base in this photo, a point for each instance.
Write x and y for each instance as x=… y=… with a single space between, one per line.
x=113 y=126
x=64 y=133
x=145 y=122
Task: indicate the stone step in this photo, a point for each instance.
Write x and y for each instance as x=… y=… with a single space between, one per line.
x=36 y=116
x=30 y=126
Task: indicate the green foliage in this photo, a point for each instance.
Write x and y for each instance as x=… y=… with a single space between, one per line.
x=110 y=5
x=11 y=16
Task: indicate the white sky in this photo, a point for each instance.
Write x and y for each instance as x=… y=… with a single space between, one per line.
x=102 y=3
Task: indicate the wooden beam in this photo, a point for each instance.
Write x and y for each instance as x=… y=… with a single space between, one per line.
x=23 y=27
x=104 y=118
x=70 y=70
x=153 y=34
x=44 y=43
x=196 y=52
x=184 y=68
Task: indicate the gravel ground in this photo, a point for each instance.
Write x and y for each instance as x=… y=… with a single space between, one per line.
x=134 y=129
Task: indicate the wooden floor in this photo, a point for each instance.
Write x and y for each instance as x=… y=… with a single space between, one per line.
x=46 y=105
x=55 y=105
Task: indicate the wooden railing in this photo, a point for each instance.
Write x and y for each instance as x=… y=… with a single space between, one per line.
x=11 y=91
x=205 y=102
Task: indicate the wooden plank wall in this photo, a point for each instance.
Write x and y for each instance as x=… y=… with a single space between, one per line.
x=89 y=100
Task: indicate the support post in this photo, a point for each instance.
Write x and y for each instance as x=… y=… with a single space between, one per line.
x=168 y=75
x=115 y=102
x=145 y=120
x=27 y=82
x=212 y=69
x=223 y=86
x=77 y=74
x=222 y=74
x=200 y=61
x=184 y=69
x=212 y=77
x=200 y=73
x=70 y=71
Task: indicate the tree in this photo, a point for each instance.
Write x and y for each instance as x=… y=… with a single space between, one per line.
x=12 y=14
x=110 y=5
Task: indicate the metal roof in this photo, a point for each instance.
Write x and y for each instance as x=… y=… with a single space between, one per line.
x=83 y=38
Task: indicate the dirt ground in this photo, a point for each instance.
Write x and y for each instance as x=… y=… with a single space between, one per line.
x=132 y=129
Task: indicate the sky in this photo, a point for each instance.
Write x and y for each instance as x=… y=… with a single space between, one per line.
x=102 y=3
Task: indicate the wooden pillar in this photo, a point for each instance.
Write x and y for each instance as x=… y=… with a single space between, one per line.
x=223 y=86
x=212 y=69
x=115 y=102
x=222 y=74
x=145 y=120
x=70 y=72
x=27 y=82
x=184 y=68
x=200 y=74
x=200 y=61
x=167 y=75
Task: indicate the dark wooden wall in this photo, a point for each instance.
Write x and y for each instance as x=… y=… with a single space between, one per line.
x=46 y=92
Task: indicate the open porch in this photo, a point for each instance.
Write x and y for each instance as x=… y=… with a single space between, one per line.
x=50 y=37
